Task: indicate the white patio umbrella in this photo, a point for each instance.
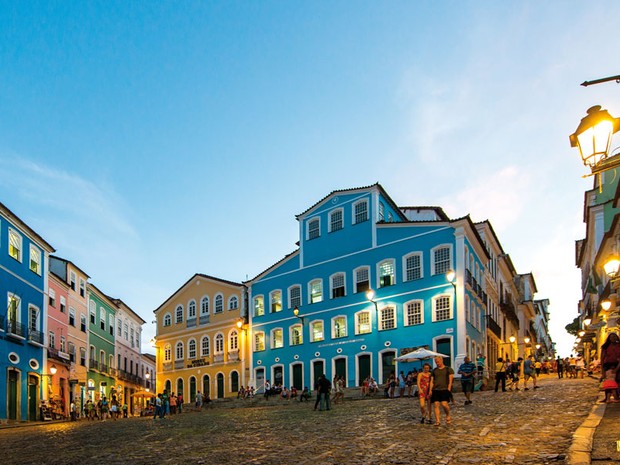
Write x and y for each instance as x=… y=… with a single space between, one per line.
x=419 y=354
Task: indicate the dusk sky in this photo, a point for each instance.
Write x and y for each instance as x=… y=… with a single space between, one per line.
x=148 y=141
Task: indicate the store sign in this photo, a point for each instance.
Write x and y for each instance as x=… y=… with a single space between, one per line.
x=198 y=363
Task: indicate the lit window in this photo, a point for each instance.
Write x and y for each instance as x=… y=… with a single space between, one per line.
x=363 y=323
x=413 y=313
x=335 y=220
x=294 y=297
x=314 y=228
x=361 y=212
x=296 y=335
x=386 y=274
x=316 y=291
x=259 y=341
x=339 y=327
x=338 y=286
x=388 y=318
x=317 y=331
x=35 y=259
x=276 y=301
x=413 y=267
x=277 y=339
x=441 y=260
x=233 y=341
x=362 y=280
x=15 y=245
x=442 y=308
x=167 y=353
x=259 y=306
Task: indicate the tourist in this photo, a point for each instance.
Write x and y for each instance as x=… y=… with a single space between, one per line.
x=610 y=356
x=267 y=390
x=500 y=374
x=402 y=383
x=180 y=403
x=424 y=392
x=305 y=395
x=198 y=401
x=529 y=371
x=441 y=389
x=560 y=367
x=158 y=407
x=323 y=388
x=467 y=370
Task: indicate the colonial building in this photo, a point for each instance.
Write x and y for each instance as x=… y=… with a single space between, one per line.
x=199 y=340
x=24 y=262
x=101 y=374
x=74 y=305
x=312 y=313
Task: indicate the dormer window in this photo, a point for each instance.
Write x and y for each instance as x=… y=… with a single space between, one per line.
x=314 y=228
x=360 y=211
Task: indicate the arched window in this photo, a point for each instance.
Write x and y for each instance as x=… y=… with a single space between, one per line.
x=204 y=306
x=219 y=303
x=191 y=348
x=233 y=303
x=233 y=340
x=191 y=309
x=167 y=353
x=167 y=322
x=219 y=343
x=179 y=314
x=204 y=347
x=179 y=351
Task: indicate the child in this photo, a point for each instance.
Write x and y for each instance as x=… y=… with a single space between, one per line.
x=610 y=386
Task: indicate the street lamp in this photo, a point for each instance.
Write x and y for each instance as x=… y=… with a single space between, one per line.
x=296 y=313
x=593 y=138
x=53 y=370
x=605 y=305
x=370 y=295
x=512 y=339
x=612 y=266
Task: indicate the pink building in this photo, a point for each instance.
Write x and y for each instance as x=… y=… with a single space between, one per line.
x=58 y=365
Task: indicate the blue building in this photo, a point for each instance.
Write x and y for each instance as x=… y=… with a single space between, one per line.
x=23 y=284
x=351 y=242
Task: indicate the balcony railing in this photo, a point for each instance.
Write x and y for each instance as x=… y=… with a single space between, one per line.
x=16 y=328
x=35 y=336
x=204 y=319
x=494 y=327
x=2 y=322
x=191 y=322
x=93 y=364
x=509 y=310
x=57 y=355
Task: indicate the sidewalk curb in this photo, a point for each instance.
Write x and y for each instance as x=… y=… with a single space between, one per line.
x=580 y=451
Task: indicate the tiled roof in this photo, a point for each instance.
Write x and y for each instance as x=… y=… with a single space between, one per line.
x=28 y=229
x=286 y=257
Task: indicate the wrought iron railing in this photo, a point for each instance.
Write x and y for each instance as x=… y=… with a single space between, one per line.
x=493 y=326
x=35 y=336
x=16 y=328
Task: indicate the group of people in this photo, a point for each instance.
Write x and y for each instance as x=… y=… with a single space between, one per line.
x=167 y=404
x=508 y=374
x=104 y=409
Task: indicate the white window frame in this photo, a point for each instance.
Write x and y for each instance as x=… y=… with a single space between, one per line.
x=52 y=297
x=382 y=317
x=355 y=276
x=273 y=338
x=434 y=307
x=233 y=302
x=51 y=340
x=406 y=270
x=407 y=316
x=331 y=285
x=393 y=280
x=292 y=340
x=191 y=348
x=168 y=353
x=72 y=315
x=82 y=288
x=167 y=321
x=63 y=304
x=15 y=244
x=354 y=213
x=433 y=262
x=219 y=343
x=178 y=314
x=330 y=225
x=179 y=351
x=259 y=341
x=205 y=349
x=273 y=302
x=191 y=309
x=261 y=309
x=233 y=340
x=73 y=281
x=35 y=259
x=310 y=230
x=218 y=303
x=381 y=211
x=310 y=296
x=358 y=324
x=292 y=304
x=333 y=327
x=204 y=305
x=312 y=332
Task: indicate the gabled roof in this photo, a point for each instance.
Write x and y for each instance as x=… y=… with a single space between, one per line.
x=475 y=232
x=354 y=190
x=197 y=275
x=262 y=273
x=119 y=302
x=69 y=261
x=18 y=221
x=490 y=226
x=438 y=211
x=102 y=295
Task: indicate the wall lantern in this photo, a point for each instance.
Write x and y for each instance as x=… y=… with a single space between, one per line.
x=593 y=138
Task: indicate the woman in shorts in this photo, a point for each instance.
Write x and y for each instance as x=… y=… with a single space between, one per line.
x=424 y=393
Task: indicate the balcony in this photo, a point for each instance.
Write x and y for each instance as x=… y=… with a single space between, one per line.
x=178 y=364
x=508 y=308
x=191 y=322
x=58 y=355
x=93 y=364
x=233 y=355
x=35 y=336
x=15 y=328
x=494 y=327
x=218 y=358
x=204 y=319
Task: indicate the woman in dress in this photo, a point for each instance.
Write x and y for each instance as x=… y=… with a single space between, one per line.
x=424 y=392
x=610 y=357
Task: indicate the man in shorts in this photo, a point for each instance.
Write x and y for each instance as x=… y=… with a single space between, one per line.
x=529 y=371
x=467 y=370
x=441 y=387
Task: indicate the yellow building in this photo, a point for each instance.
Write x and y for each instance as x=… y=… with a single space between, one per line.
x=201 y=338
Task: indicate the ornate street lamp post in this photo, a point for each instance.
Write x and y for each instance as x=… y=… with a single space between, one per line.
x=593 y=139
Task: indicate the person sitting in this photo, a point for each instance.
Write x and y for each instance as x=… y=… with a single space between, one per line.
x=284 y=393
x=373 y=387
x=293 y=392
x=305 y=395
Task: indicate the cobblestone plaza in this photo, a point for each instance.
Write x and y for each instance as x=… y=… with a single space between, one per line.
x=525 y=427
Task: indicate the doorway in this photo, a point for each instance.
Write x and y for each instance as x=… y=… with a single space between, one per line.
x=220 y=386
x=13 y=382
x=298 y=376
x=363 y=368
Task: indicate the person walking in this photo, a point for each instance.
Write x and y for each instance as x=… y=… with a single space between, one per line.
x=500 y=374
x=529 y=371
x=441 y=389
x=559 y=366
x=324 y=386
x=468 y=371
x=424 y=393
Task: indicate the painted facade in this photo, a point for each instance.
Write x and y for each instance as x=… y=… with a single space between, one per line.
x=75 y=306
x=24 y=261
x=349 y=242
x=198 y=343
x=101 y=355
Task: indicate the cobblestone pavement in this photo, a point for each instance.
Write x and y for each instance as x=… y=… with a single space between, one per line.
x=525 y=427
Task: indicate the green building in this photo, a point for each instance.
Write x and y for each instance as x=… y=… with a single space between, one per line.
x=101 y=374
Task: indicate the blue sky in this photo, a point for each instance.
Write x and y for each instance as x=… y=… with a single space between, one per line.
x=148 y=141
